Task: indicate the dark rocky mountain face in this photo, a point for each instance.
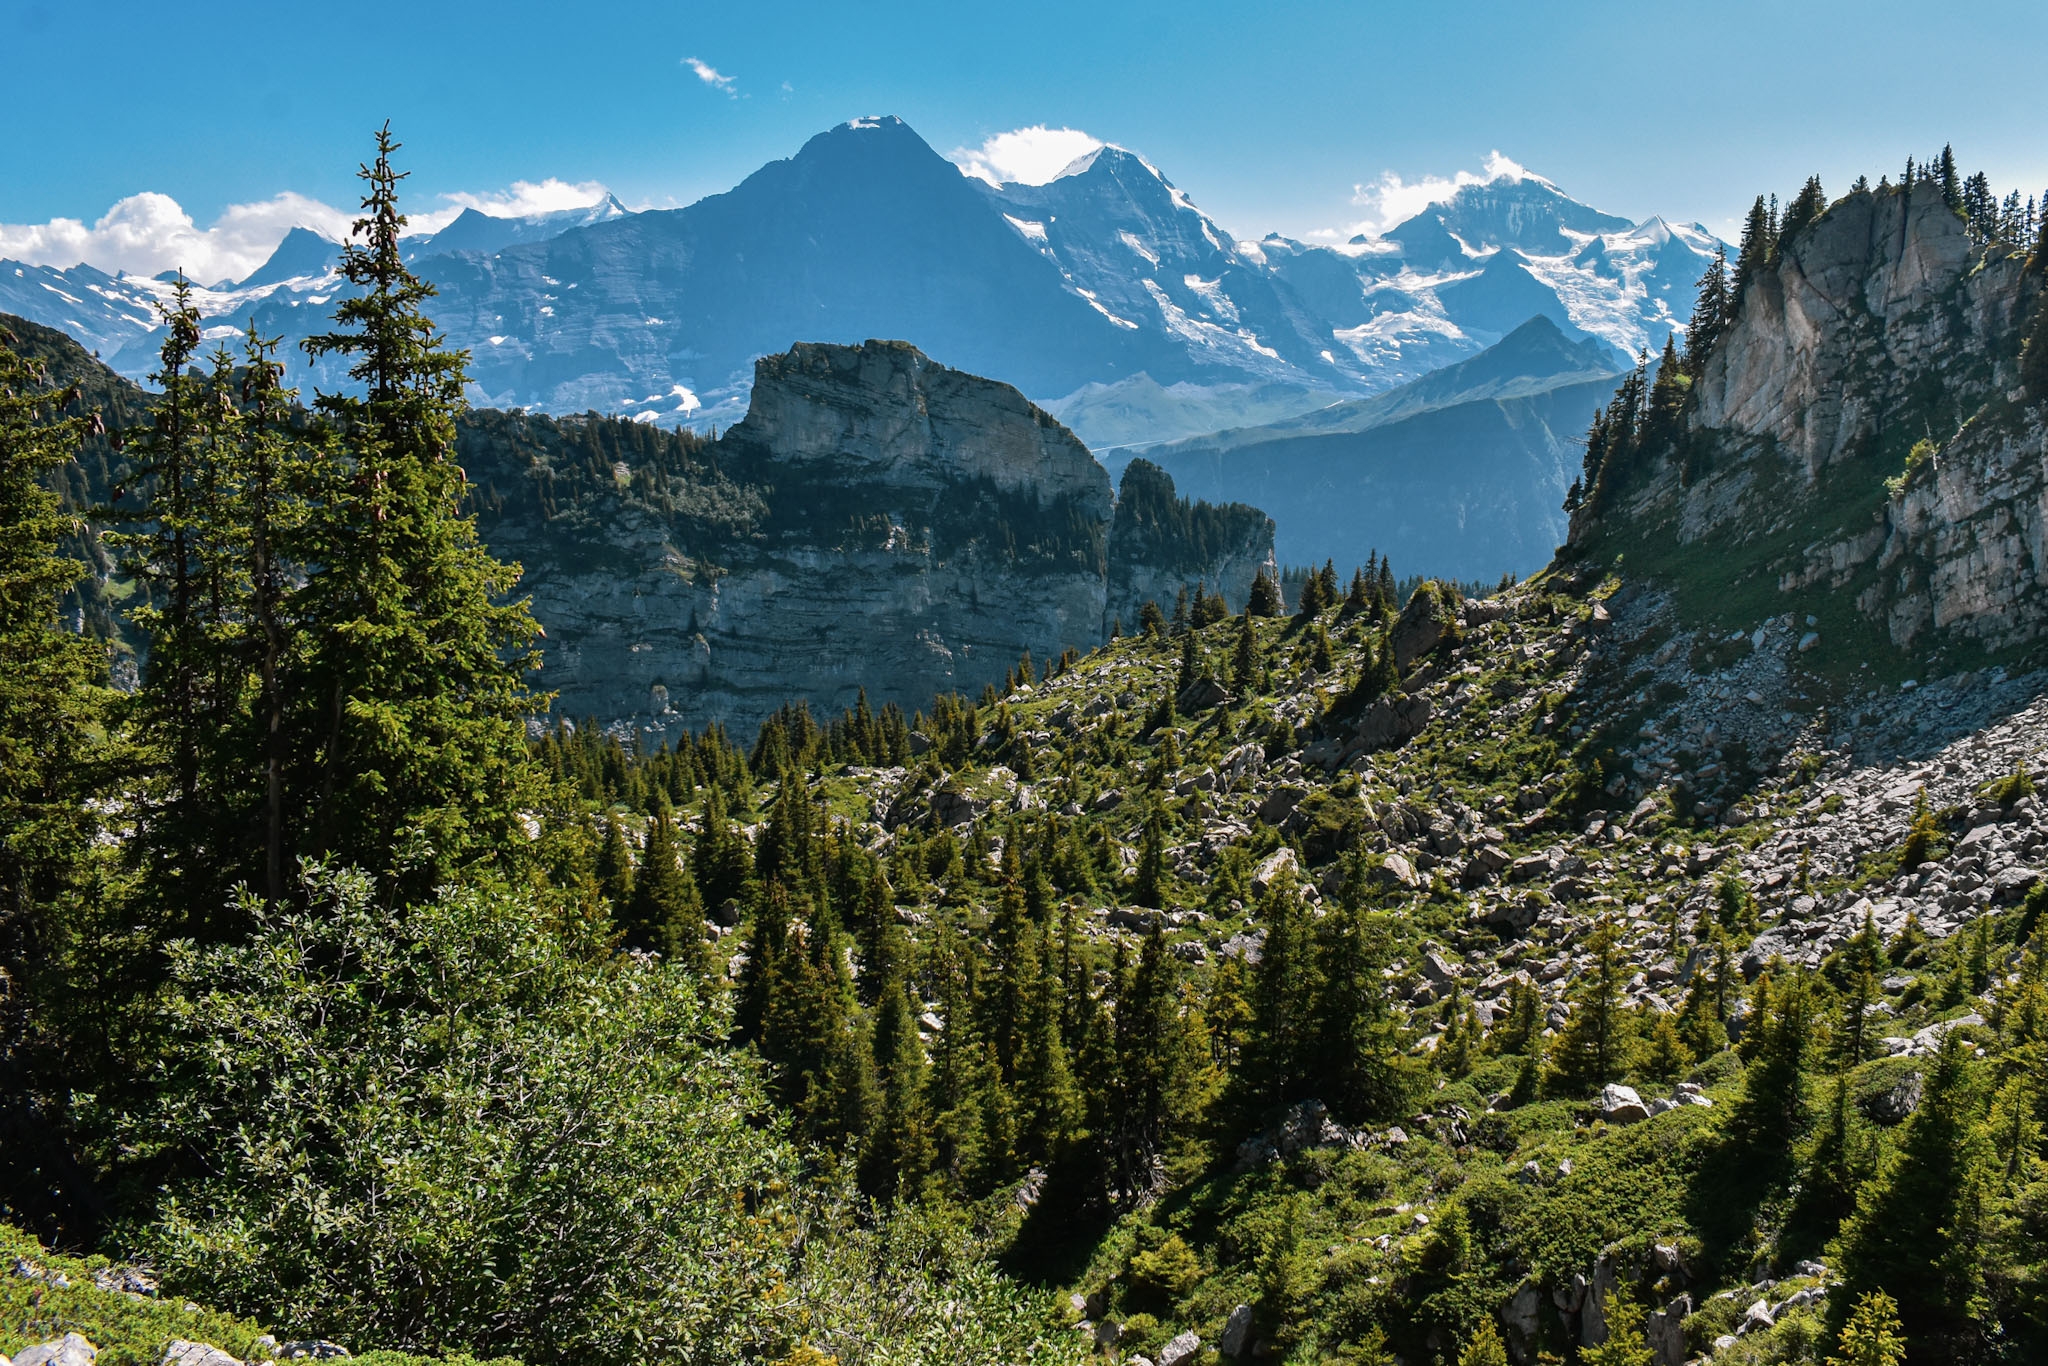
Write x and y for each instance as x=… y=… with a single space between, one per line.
x=877 y=522
x=1459 y=473
x=1857 y=451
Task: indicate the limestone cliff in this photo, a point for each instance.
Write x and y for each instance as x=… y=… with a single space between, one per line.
x=877 y=521
x=1856 y=448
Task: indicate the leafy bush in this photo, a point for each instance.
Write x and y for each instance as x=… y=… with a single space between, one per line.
x=450 y=1126
x=461 y=1126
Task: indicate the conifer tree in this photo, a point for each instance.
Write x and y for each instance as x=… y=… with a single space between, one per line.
x=614 y=865
x=1356 y=1055
x=1282 y=1046
x=50 y=708
x=900 y=1155
x=1593 y=1047
x=1711 y=314
x=1872 y=1336
x=1758 y=243
x=1152 y=1065
x=1918 y=1229
x=722 y=861
x=1810 y=203
x=411 y=757
x=1265 y=597
x=1863 y=965
x=663 y=913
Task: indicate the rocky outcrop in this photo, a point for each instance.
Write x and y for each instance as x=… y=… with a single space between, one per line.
x=878 y=521
x=1857 y=441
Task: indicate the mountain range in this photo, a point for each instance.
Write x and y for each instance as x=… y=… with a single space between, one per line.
x=1106 y=294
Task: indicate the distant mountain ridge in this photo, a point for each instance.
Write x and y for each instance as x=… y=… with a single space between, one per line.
x=1462 y=472
x=1096 y=292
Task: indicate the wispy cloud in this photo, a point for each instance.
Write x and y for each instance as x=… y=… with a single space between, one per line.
x=1390 y=200
x=712 y=76
x=1031 y=155
x=148 y=233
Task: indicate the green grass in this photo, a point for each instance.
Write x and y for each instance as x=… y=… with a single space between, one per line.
x=129 y=1329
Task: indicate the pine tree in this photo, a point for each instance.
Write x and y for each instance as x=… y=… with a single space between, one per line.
x=1946 y=177
x=50 y=705
x=663 y=913
x=722 y=862
x=1282 y=1048
x=614 y=866
x=1873 y=1335
x=1918 y=1228
x=900 y=1154
x=1265 y=597
x=1810 y=203
x=1624 y=1344
x=1153 y=884
x=410 y=754
x=1863 y=964
x=1593 y=1047
x=1753 y=254
x=1356 y=1060
x=1711 y=314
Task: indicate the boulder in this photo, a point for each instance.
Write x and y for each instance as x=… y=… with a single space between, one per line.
x=1621 y=1105
x=69 y=1350
x=1389 y=722
x=1201 y=695
x=1896 y=1105
x=1396 y=870
x=125 y=1280
x=1280 y=861
x=1418 y=630
x=1181 y=1350
x=1486 y=863
x=1279 y=804
x=1664 y=1332
x=1237 y=1331
x=951 y=808
x=312 y=1349
x=1519 y=1314
x=183 y=1353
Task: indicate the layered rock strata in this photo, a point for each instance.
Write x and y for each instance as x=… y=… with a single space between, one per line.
x=911 y=530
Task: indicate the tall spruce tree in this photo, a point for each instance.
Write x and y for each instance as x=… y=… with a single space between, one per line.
x=1593 y=1047
x=1918 y=1230
x=410 y=756
x=1711 y=313
x=52 y=748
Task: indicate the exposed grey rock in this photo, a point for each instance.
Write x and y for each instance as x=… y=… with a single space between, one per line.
x=1896 y=1105
x=1236 y=1330
x=126 y=1280
x=1280 y=862
x=644 y=613
x=1621 y=1105
x=315 y=1349
x=1390 y=721
x=69 y=1350
x=1180 y=1350
x=183 y=1353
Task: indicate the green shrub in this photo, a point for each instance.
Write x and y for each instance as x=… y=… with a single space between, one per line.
x=462 y=1127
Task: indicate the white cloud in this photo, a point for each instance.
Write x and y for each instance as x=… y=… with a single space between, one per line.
x=148 y=233
x=712 y=77
x=1391 y=201
x=1032 y=155
x=524 y=199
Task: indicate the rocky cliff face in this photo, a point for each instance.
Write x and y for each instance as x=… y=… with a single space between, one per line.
x=1857 y=448
x=878 y=521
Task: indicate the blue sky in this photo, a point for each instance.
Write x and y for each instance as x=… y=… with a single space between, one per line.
x=1272 y=116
